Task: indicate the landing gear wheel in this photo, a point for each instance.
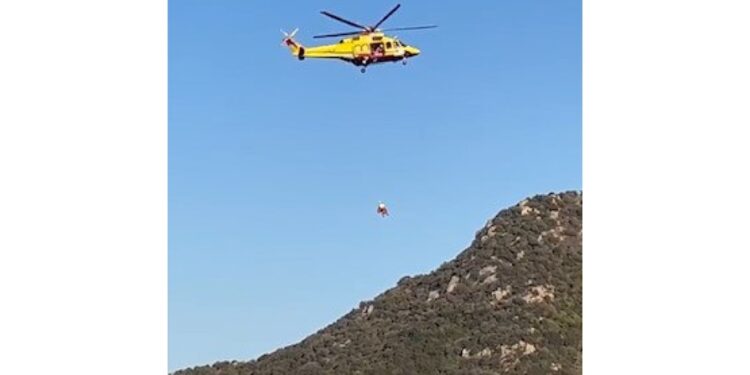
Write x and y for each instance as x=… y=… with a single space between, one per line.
x=363 y=70
x=403 y=62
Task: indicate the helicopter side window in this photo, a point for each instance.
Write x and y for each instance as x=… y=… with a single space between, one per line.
x=388 y=45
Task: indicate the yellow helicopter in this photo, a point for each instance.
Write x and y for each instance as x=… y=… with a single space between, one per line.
x=364 y=47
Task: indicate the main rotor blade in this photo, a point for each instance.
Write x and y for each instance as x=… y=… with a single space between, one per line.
x=411 y=28
x=337 y=18
x=387 y=16
x=339 y=34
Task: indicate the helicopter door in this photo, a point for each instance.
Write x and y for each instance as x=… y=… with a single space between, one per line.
x=377 y=49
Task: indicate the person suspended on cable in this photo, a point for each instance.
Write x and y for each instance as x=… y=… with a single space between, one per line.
x=382 y=209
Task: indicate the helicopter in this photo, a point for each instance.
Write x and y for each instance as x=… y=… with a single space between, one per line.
x=367 y=46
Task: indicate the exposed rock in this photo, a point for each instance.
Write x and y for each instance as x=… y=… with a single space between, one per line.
x=526 y=209
x=539 y=293
x=501 y=293
x=452 y=284
x=434 y=294
x=490 y=279
x=557 y=233
x=527 y=348
x=486 y=352
x=510 y=355
x=368 y=310
x=491 y=232
x=486 y=270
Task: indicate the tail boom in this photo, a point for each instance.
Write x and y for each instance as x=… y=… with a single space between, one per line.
x=295 y=47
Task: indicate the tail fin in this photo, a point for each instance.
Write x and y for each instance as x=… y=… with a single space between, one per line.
x=294 y=46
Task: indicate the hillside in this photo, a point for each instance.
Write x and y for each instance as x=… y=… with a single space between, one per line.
x=508 y=304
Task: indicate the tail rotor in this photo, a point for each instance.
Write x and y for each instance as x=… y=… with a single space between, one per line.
x=289 y=37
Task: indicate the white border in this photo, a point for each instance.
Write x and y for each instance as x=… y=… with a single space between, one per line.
x=83 y=187
x=83 y=197
x=666 y=115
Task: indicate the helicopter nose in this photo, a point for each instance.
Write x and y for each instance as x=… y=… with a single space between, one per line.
x=411 y=51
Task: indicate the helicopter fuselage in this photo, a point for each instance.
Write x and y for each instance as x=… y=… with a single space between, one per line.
x=360 y=50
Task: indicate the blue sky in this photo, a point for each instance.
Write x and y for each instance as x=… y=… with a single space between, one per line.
x=276 y=165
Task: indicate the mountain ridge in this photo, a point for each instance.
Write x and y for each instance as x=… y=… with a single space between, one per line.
x=510 y=303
